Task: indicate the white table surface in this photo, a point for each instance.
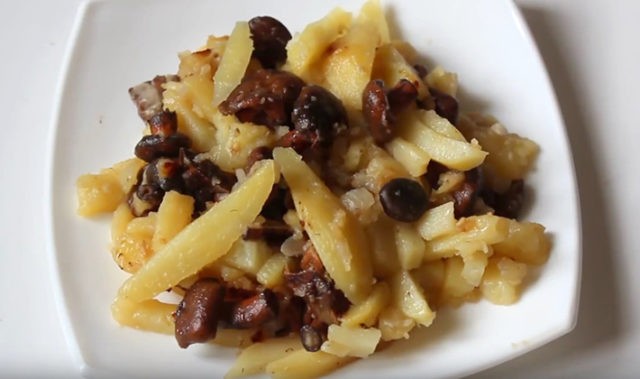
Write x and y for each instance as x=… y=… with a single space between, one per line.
x=592 y=51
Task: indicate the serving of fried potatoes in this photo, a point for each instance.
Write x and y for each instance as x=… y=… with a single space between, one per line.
x=311 y=197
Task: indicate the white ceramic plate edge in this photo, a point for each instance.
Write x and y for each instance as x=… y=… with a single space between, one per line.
x=525 y=31
x=61 y=300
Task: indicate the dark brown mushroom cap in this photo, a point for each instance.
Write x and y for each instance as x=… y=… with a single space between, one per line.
x=270 y=39
x=264 y=97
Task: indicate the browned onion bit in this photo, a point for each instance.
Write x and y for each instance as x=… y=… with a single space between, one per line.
x=264 y=97
x=270 y=39
x=197 y=316
x=404 y=199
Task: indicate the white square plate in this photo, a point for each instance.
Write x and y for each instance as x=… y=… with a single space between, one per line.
x=117 y=44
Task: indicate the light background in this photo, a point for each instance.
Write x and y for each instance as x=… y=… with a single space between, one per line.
x=592 y=53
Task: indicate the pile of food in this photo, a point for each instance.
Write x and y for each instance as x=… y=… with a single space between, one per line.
x=311 y=197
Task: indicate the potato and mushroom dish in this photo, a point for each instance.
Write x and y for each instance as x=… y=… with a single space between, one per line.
x=309 y=197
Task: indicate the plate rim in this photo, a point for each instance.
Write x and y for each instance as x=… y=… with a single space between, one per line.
x=61 y=297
